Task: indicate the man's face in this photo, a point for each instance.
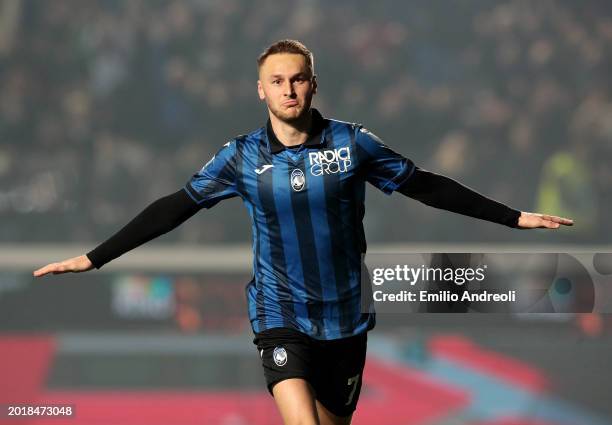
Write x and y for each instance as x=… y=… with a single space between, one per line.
x=287 y=85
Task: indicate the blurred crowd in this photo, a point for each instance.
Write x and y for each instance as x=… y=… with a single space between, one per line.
x=107 y=105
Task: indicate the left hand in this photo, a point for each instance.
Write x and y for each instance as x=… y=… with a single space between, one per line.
x=529 y=220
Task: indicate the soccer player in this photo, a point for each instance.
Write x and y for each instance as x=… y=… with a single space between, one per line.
x=302 y=178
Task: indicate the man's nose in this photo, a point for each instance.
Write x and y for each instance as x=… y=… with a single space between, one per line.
x=289 y=89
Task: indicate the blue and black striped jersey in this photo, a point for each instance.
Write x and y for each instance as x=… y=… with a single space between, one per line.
x=306 y=206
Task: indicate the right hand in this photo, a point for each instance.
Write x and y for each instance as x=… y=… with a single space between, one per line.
x=71 y=265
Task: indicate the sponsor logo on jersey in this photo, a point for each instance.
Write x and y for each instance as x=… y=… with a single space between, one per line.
x=280 y=356
x=330 y=161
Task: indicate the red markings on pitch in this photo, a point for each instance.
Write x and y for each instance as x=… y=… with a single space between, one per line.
x=461 y=350
x=166 y=407
x=24 y=364
x=392 y=392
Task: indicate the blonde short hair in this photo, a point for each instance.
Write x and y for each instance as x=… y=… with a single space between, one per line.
x=287 y=46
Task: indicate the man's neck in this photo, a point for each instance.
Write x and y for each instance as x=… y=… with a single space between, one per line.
x=294 y=133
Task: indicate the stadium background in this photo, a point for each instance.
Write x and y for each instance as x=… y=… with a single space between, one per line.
x=108 y=105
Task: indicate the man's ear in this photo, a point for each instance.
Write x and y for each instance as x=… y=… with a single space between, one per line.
x=314 y=84
x=260 y=91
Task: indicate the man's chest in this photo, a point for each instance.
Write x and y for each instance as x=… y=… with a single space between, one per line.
x=300 y=178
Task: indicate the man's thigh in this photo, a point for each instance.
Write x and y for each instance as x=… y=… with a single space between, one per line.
x=295 y=400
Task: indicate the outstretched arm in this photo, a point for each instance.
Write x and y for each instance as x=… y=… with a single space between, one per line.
x=445 y=193
x=158 y=218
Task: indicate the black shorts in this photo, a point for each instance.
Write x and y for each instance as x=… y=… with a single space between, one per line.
x=333 y=368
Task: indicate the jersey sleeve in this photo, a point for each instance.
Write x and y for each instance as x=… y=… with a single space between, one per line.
x=217 y=178
x=384 y=168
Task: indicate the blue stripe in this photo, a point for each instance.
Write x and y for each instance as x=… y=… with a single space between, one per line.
x=335 y=220
x=242 y=175
x=354 y=235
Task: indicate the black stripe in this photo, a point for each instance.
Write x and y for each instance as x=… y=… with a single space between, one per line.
x=240 y=188
x=265 y=188
x=355 y=236
x=308 y=249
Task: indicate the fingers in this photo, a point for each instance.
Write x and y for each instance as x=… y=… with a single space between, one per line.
x=550 y=224
x=44 y=270
x=559 y=220
x=565 y=221
x=55 y=268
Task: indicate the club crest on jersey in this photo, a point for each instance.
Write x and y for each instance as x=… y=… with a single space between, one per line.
x=280 y=356
x=298 y=180
x=331 y=161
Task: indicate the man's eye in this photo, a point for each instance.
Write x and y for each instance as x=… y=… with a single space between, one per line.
x=276 y=82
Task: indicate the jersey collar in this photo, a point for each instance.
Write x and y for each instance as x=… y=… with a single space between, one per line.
x=315 y=136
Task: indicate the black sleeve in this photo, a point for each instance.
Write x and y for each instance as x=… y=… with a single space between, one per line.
x=158 y=218
x=442 y=192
